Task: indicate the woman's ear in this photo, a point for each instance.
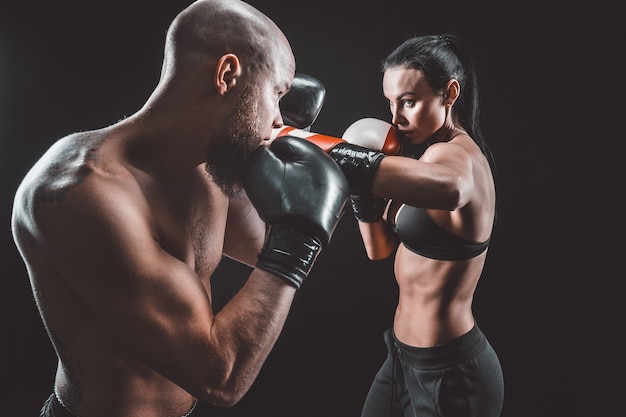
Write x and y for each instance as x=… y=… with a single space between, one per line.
x=453 y=89
x=227 y=72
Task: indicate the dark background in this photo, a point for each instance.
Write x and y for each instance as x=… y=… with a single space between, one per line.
x=549 y=297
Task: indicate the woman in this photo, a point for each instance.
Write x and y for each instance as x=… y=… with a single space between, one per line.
x=435 y=211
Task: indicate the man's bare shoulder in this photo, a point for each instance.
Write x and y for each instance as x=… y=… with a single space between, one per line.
x=75 y=173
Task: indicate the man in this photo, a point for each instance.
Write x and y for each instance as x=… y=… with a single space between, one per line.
x=121 y=228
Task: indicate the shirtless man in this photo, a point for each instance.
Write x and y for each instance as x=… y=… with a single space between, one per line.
x=120 y=228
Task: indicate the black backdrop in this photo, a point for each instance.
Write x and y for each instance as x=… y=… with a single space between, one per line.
x=546 y=301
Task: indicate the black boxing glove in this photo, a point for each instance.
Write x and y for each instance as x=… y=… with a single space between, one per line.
x=368 y=208
x=359 y=165
x=303 y=102
x=300 y=193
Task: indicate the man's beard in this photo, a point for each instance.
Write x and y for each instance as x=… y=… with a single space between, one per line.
x=226 y=156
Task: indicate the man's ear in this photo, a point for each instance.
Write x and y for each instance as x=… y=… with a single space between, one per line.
x=227 y=72
x=453 y=89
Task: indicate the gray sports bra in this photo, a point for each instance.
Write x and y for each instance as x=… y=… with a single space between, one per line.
x=420 y=234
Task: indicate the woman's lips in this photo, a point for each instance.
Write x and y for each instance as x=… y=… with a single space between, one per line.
x=405 y=133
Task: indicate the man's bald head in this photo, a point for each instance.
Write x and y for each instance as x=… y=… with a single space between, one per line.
x=208 y=29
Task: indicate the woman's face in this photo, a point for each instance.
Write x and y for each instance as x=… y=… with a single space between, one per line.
x=417 y=111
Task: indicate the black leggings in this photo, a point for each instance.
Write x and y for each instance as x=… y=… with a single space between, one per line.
x=461 y=378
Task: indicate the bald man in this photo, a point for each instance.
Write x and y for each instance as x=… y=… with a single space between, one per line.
x=120 y=228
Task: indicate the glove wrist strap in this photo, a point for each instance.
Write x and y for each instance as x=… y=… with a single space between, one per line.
x=359 y=165
x=368 y=208
x=288 y=253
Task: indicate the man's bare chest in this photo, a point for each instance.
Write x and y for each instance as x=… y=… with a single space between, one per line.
x=193 y=231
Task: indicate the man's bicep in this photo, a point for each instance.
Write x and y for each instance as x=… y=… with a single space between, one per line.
x=245 y=231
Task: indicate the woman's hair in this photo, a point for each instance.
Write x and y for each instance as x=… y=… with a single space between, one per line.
x=442 y=58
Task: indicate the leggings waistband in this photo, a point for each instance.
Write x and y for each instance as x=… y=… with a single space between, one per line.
x=457 y=350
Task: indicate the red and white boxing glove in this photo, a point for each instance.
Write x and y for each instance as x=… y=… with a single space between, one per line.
x=358 y=153
x=375 y=134
x=325 y=142
x=369 y=133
